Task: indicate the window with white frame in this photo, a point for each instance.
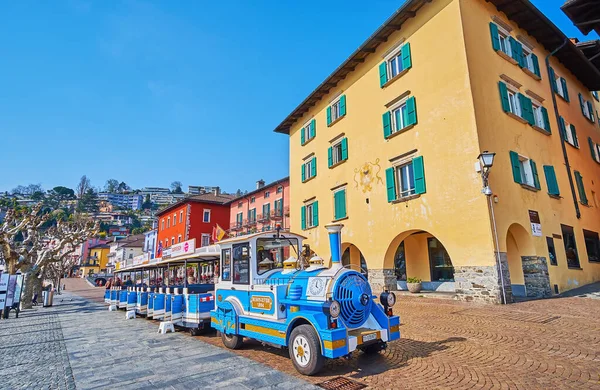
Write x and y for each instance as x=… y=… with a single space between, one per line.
x=309 y=168
x=181 y=216
x=399 y=117
x=239 y=218
x=267 y=194
x=394 y=64
x=337 y=152
x=252 y=200
x=166 y=242
x=174 y=219
x=169 y=222
x=309 y=215
x=336 y=109
x=240 y=205
x=571 y=134
x=538 y=115
x=513 y=101
x=559 y=85
x=205 y=241
x=405 y=180
x=279 y=189
x=172 y=240
x=206 y=216
x=308 y=135
x=526 y=171
x=179 y=238
x=504 y=38
x=528 y=56
x=162 y=224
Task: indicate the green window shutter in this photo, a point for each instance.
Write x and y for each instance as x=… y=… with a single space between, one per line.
x=504 y=96
x=574 y=132
x=303 y=217
x=419 y=175
x=302 y=136
x=514 y=48
x=546 y=120
x=551 y=180
x=563 y=128
x=343 y=212
x=339 y=199
x=329 y=157
x=516 y=167
x=526 y=109
x=581 y=188
x=592 y=148
x=313 y=168
x=411 y=108
x=344 y=148
x=536 y=65
x=343 y=105
x=406 y=57
x=303 y=172
x=336 y=205
x=387 y=124
x=315 y=213
x=536 y=178
x=313 y=128
x=582 y=104
x=566 y=91
x=383 y=74
x=590 y=110
x=553 y=80
x=390 y=182
x=328 y=115
x=495 y=37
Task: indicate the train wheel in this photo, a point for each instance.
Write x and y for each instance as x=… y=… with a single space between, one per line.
x=232 y=341
x=305 y=350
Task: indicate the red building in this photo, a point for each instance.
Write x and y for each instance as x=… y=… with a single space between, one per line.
x=193 y=217
x=261 y=209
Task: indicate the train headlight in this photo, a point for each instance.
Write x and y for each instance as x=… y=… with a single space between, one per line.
x=387 y=299
x=332 y=308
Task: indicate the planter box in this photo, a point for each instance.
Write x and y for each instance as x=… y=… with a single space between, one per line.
x=414 y=287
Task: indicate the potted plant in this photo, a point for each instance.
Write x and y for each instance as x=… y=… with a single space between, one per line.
x=414 y=285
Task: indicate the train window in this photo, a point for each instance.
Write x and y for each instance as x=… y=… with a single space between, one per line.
x=226 y=264
x=241 y=263
x=271 y=252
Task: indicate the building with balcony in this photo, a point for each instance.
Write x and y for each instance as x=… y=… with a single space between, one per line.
x=123 y=249
x=122 y=201
x=192 y=217
x=387 y=145
x=95 y=260
x=261 y=209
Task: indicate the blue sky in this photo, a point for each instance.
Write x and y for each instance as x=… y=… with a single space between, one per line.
x=152 y=92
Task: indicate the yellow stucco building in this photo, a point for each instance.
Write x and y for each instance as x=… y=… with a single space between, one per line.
x=388 y=145
x=96 y=261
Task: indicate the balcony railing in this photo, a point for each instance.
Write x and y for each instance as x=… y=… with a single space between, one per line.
x=263 y=217
x=249 y=222
x=235 y=226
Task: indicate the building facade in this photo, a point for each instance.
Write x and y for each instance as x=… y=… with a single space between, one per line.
x=150 y=239
x=96 y=260
x=261 y=209
x=193 y=217
x=387 y=145
x=122 y=201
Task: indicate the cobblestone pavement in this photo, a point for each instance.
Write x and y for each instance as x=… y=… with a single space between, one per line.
x=80 y=344
x=544 y=344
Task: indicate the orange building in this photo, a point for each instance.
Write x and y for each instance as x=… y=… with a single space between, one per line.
x=192 y=217
x=261 y=209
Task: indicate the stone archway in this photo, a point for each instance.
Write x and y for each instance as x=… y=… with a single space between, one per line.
x=353 y=257
x=420 y=254
x=529 y=275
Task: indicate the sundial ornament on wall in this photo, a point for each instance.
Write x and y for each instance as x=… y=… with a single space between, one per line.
x=367 y=176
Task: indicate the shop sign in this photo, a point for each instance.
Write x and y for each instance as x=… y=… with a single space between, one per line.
x=19 y=288
x=10 y=293
x=3 y=287
x=183 y=248
x=140 y=259
x=536 y=226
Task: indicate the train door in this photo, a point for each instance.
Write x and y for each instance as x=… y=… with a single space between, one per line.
x=240 y=273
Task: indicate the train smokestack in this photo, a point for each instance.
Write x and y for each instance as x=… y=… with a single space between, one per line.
x=335 y=244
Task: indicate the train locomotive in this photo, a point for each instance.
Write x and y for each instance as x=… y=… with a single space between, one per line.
x=272 y=290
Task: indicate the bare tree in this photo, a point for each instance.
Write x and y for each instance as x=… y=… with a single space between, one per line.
x=83 y=186
x=31 y=247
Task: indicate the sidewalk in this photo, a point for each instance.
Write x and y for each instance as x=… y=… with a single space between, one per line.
x=80 y=344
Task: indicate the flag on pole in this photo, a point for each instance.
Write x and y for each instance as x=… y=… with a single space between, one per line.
x=218 y=233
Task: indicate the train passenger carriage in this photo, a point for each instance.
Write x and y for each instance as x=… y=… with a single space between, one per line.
x=274 y=290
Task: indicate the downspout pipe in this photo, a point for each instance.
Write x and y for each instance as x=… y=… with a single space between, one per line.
x=562 y=140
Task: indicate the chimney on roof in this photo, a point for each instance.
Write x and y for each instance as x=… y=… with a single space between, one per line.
x=216 y=191
x=574 y=40
x=260 y=184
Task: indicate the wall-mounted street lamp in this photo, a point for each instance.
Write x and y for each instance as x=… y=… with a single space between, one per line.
x=486 y=161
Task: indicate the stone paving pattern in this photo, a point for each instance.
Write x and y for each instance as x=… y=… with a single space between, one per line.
x=80 y=344
x=446 y=344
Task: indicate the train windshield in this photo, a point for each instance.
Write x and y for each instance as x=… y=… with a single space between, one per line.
x=272 y=252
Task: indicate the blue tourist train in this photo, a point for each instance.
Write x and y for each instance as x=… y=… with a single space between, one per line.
x=269 y=287
x=269 y=292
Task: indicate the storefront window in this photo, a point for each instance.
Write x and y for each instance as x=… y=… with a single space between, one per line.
x=439 y=260
x=570 y=246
